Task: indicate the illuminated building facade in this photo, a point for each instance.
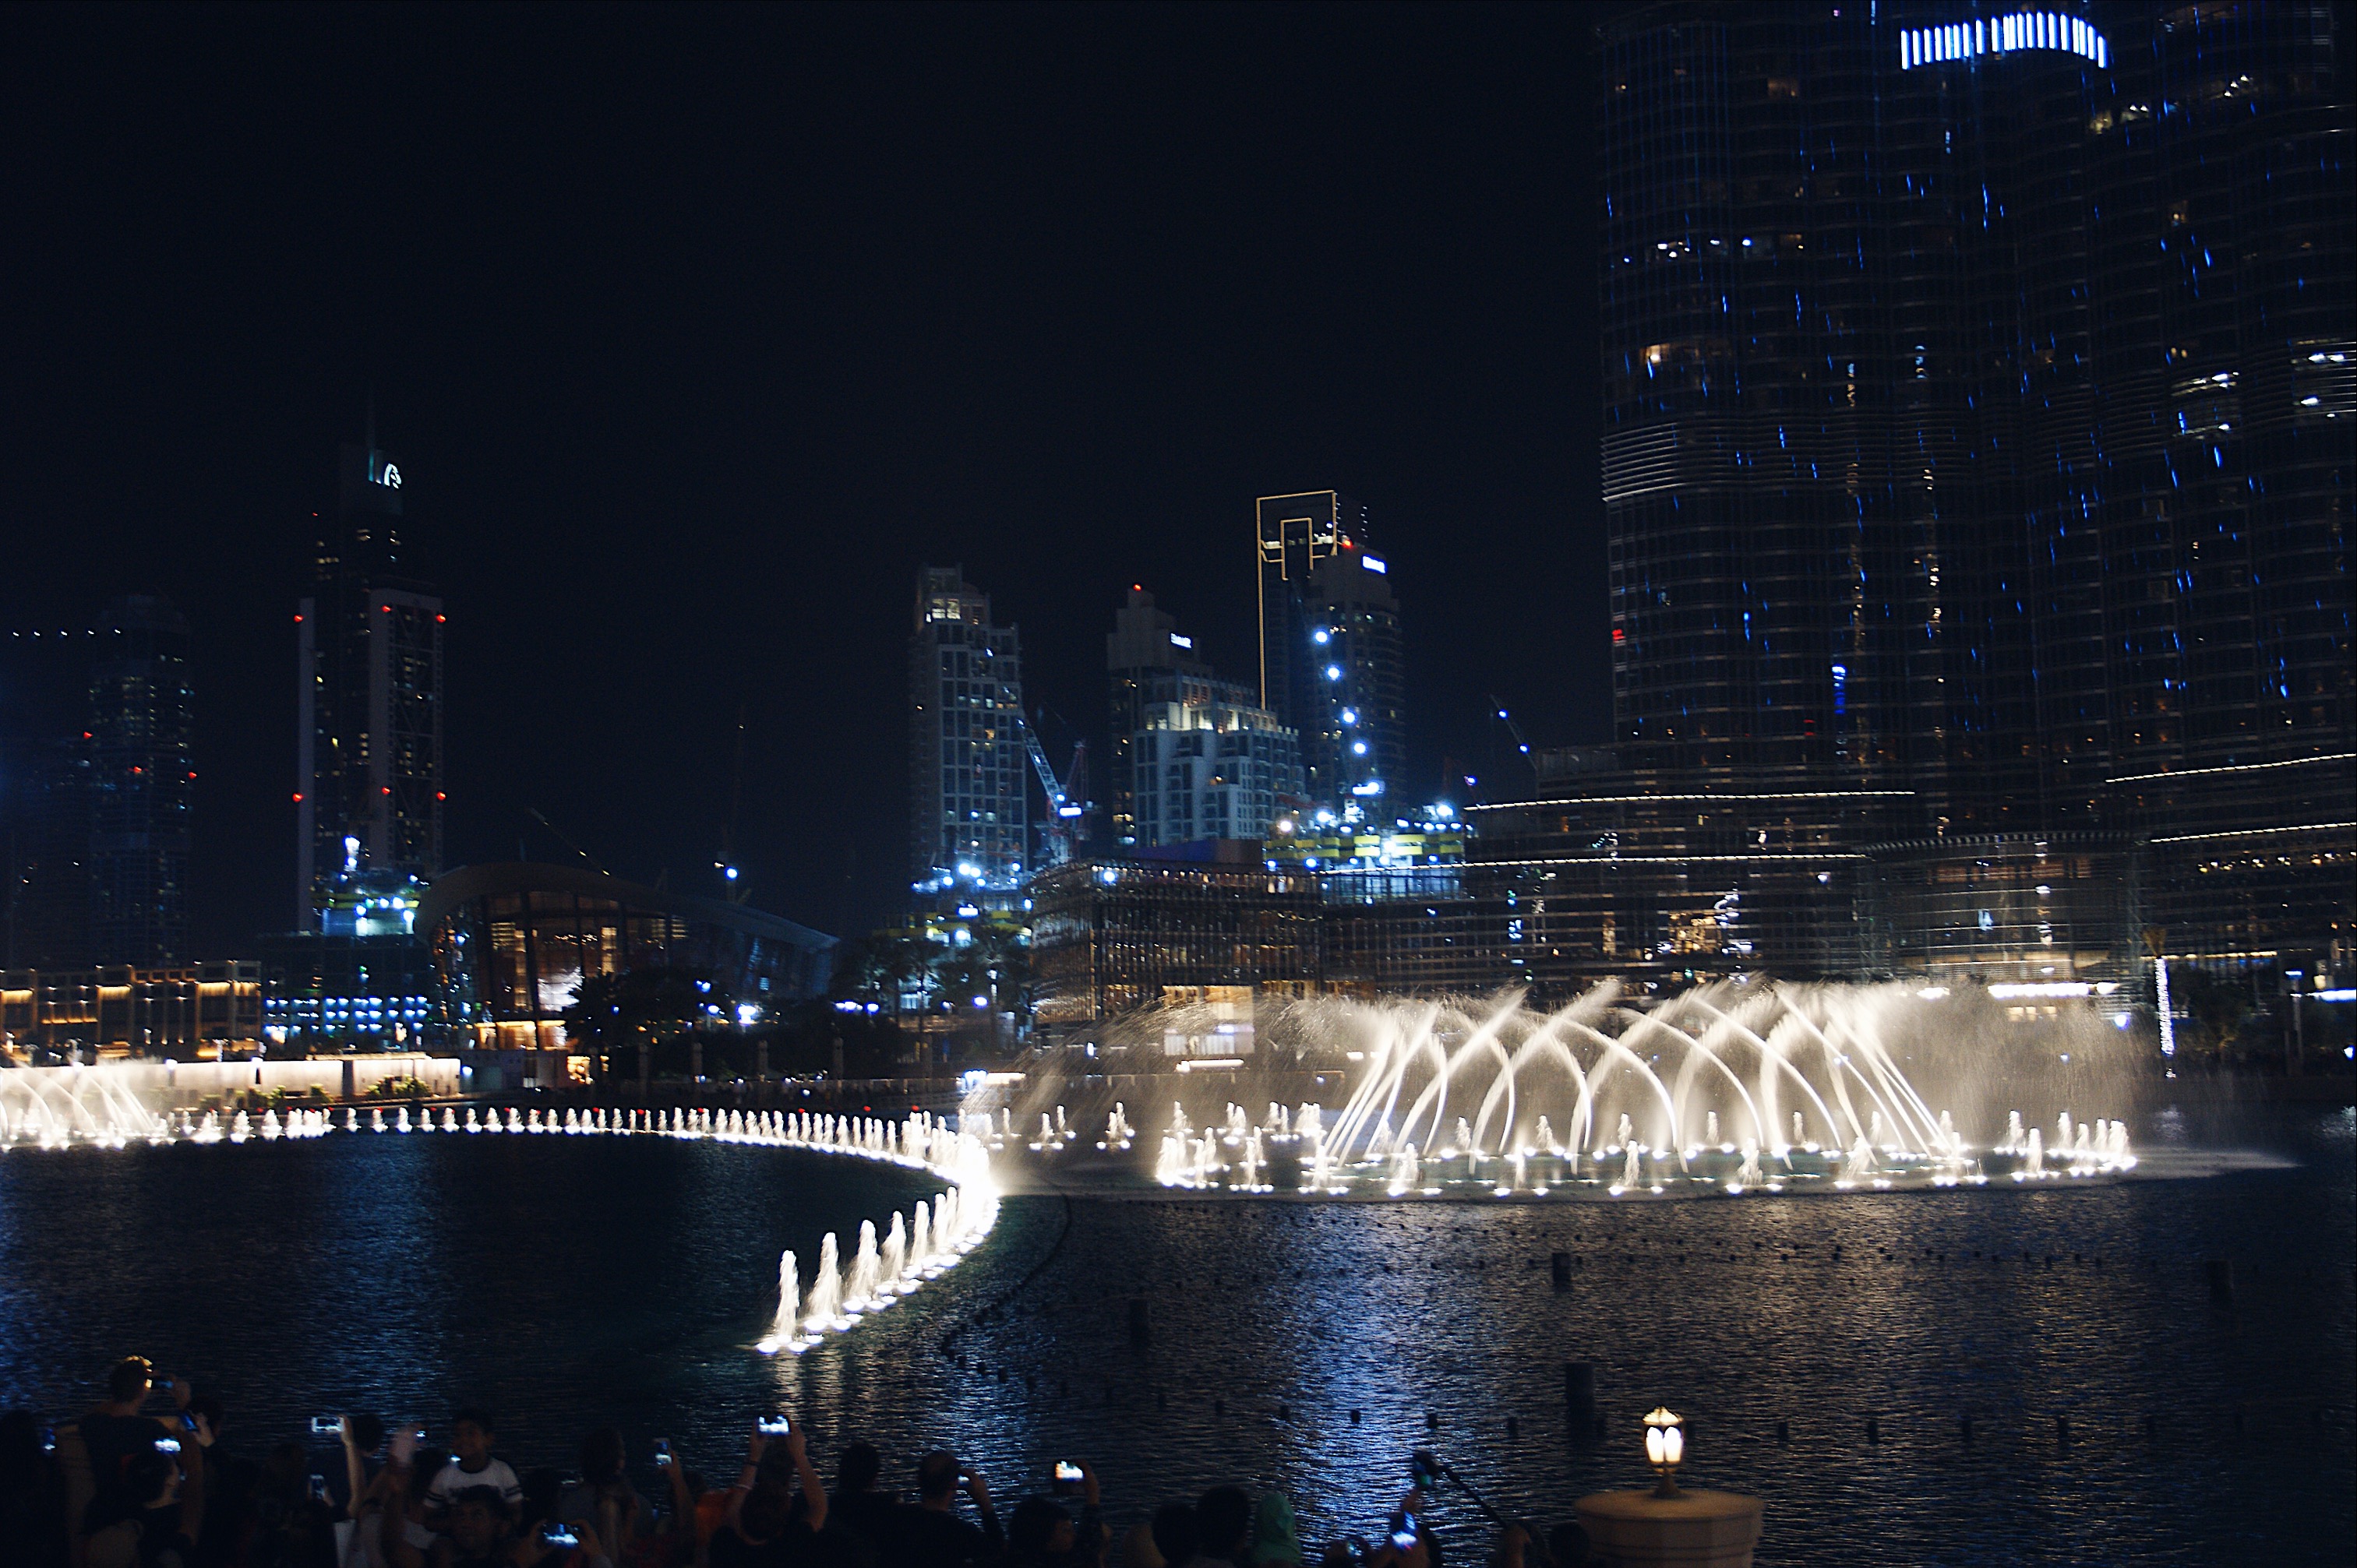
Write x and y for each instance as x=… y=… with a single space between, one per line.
x=968 y=788
x=1211 y=770
x=185 y=1012
x=1194 y=756
x=367 y=770
x=1330 y=662
x=1976 y=390
x=1150 y=664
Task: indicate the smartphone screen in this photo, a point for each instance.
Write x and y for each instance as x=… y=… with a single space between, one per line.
x=662 y=1451
x=775 y=1426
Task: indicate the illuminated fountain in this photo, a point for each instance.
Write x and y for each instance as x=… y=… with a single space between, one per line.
x=51 y=1106
x=55 y=1107
x=1740 y=1087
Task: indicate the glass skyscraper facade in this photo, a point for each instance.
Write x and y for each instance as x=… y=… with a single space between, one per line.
x=141 y=779
x=97 y=776
x=1977 y=394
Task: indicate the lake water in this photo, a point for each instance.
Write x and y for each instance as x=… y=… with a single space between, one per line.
x=568 y=1281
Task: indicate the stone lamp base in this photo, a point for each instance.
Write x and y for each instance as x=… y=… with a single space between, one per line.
x=1693 y=1529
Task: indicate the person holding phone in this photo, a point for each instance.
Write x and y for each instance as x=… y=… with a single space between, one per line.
x=1040 y=1533
x=1404 y=1543
x=928 y=1533
x=117 y=1431
x=766 y=1526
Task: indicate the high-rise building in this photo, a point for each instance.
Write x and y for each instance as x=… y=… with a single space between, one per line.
x=1149 y=663
x=968 y=796
x=1211 y=770
x=96 y=728
x=368 y=771
x=1193 y=756
x=141 y=777
x=1976 y=397
x=1331 y=664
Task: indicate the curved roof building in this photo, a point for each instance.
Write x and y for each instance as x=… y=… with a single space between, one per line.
x=512 y=942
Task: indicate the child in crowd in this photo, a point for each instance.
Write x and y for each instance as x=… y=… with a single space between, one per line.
x=471 y=1436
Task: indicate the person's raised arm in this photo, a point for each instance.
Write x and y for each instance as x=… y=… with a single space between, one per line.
x=1091 y=1533
x=979 y=1491
x=755 y=1446
x=192 y=1476
x=814 y=1490
x=355 y=1472
x=682 y=1501
x=392 y=1519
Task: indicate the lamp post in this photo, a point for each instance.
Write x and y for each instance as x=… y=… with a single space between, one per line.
x=1670 y=1525
x=1665 y=1449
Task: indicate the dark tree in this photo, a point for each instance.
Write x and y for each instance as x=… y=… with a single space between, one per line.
x=612 y=1016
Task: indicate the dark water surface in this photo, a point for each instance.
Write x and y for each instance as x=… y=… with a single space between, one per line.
x=566 y=1282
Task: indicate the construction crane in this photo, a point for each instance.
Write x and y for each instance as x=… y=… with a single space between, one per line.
x=1064 y=807
x=1521 y=741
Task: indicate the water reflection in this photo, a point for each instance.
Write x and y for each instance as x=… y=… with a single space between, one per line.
x=570 y=1281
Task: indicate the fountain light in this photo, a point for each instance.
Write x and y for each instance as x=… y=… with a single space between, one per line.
x=1665 y=1448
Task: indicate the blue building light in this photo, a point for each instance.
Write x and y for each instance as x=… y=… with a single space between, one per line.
x=2020 y=31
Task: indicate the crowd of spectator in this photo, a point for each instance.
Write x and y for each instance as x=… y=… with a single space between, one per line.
x=147 y=1479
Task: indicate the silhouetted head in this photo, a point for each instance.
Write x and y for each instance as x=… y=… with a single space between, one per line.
x=856 y=1468
x=1176 y=1534
x=1041 y=1527
x=601 y=1456
x=937 y=1475
x=1223 y=1518
x=127 y=1379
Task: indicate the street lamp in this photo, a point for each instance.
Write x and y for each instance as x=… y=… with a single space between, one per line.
x=1665 y=1448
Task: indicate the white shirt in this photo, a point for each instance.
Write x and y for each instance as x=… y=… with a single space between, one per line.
x=454 y=1478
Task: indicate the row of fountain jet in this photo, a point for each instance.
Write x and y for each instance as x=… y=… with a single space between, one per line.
x=1056 y=1132
x=936 y=1233
x=1299 y=1147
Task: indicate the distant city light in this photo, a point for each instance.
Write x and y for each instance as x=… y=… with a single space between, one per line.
x=1320 y=634
x=1372 y=564
x=1333 y=671
x=1179 y=642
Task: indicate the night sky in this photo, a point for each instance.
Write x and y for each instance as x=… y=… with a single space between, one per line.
x=694 y=333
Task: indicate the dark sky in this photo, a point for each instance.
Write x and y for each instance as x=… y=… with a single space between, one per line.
x=696 y=332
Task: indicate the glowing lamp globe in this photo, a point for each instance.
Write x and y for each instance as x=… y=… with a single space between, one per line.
x=1665 y=1448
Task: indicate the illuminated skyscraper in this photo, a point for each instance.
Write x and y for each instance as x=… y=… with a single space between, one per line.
x=367 y=770
x=1331 y=664
x=969 y=801
x=1976 y=397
